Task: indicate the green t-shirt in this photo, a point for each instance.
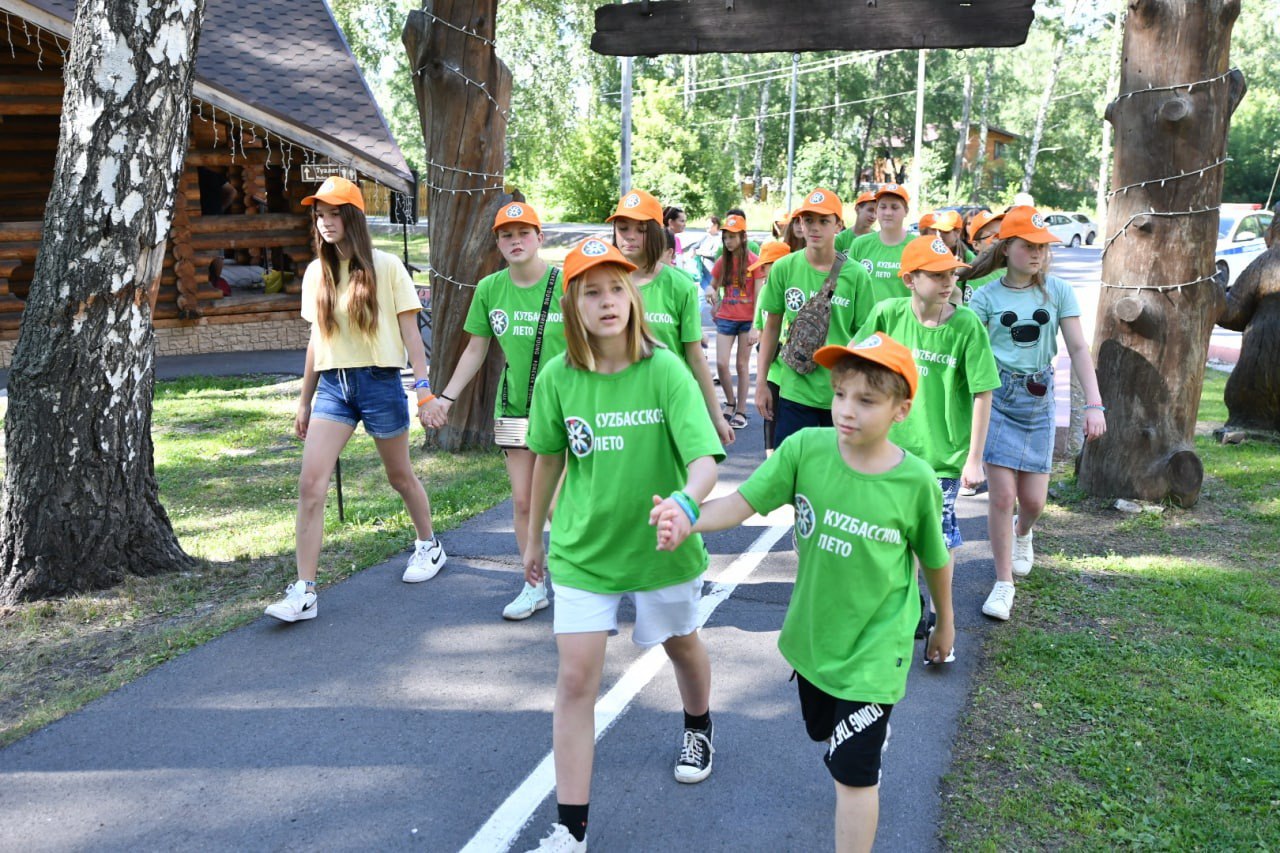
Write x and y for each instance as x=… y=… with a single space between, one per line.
x=850 y=627
x=792 y=280
x=671 y=307
x=971 y=287
x=501 y=309
x=845 y=239
x=881 y=263
x=775 y=367
x=643 y=425
x=1023 y=324
x=954 y=362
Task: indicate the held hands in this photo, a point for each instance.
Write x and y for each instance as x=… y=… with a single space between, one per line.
x=1095 y=424
x=672 y=522
x=535 y=562
x=435 y=414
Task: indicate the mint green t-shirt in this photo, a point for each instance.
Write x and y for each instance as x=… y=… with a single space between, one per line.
x=1023 y=324
x=954 y=362
x=792 y=281
x=971 y=287
x=671 y=307
x=850 y=626
x=503 y=310
x=882 y=263
x=629 y=435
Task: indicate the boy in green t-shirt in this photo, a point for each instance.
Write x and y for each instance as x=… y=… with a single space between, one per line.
x=863 y=507
x=880 y=252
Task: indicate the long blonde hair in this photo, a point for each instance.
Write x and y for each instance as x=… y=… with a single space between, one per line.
x=996 y=257
x=582 y=350
x=362 y=298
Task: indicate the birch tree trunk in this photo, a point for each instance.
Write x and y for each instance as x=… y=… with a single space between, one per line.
x=962 y=141
x=1171 y=120
x=1046 y=101
x=81 y=507
x=757 y=162
x=980 y=158
x=464 y=94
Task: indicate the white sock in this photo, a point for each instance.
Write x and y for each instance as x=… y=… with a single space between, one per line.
x=418 y=543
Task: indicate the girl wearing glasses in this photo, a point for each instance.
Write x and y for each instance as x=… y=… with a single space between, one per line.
x=1023 y=311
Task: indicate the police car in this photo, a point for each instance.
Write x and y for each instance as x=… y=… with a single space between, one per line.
x=1240 y=233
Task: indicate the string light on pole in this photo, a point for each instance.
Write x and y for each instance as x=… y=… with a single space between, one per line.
x=1162 y=181
x=437 y=274
x=488 y=42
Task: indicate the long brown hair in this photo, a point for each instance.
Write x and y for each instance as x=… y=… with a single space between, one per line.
x=655 y=243
x=996 y=257
x=581 y=351
x=362 y=295
x=734 y=269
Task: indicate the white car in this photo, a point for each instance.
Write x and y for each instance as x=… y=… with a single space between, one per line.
x=1240 y=240
x=1073 y=229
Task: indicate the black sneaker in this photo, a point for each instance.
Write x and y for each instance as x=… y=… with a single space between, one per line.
x=694 y=762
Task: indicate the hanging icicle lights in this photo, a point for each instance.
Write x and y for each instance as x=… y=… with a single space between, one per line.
x=1123 y=230
x=31 y=37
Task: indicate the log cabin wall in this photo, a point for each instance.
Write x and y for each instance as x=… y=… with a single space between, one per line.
x=263 y=222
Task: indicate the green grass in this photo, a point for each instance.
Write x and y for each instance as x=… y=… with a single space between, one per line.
x=227 y=466
x=1133 y=702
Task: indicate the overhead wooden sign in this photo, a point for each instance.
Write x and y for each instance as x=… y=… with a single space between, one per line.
x=768 y=26
x=317 y=173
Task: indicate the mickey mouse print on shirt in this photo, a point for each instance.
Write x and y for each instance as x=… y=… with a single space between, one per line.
x=1025 y=333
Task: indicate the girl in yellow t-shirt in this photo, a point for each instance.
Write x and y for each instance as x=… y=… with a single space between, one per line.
x=363 y=313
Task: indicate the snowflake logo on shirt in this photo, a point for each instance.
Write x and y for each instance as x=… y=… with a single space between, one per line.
x=498 y=322
x=868 y=266
x=794 y=298
x=806 y=519
x=580 y=436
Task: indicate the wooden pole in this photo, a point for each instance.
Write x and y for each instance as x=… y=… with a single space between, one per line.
x=624 y=171
x=1159 y=298
x=917 y=179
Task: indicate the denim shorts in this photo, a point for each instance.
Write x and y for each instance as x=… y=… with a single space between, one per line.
x=950 y=526
x=374 y=395
x=732 y=328
x=1022 y=424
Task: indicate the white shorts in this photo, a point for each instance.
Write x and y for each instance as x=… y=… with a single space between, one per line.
x=660 y=613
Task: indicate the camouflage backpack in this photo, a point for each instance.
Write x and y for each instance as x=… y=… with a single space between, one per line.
x=810 y=326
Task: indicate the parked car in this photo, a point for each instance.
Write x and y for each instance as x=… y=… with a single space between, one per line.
x=1074 y=229
x=1240 y=240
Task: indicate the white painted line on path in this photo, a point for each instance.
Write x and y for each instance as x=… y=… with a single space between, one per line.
x=504 y=825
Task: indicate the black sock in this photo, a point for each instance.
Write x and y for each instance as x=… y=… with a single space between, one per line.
x=574 y=818
x=701 y=722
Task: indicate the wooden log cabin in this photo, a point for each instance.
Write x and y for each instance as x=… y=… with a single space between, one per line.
x=278 y=102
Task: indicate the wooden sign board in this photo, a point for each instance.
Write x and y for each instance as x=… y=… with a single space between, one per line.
x=768 y=26
x=316 y=173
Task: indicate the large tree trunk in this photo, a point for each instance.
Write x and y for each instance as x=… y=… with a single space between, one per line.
x=80 y=505
x=1151 y=344
x=1113 y=89
x=1253 y=307
x=464 y=94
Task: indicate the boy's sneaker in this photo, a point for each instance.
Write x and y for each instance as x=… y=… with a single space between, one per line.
x=1023 y=552
x=694 y=763
x=297 y=604
x=561 y=840
x=427 y=561
x=530 y=600
x=1000 y=602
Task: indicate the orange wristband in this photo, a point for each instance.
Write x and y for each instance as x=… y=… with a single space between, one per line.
x=425 y=400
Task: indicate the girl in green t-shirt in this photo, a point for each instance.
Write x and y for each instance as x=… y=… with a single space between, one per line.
x=507 y=306
x=621 y=419
x=670 y=299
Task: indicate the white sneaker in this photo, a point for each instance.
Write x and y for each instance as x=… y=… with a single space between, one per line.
x=427 y=561
x=530 y=600
x=561 y=840
x=1023 y=553
x=1000 y=602
x=297 y=604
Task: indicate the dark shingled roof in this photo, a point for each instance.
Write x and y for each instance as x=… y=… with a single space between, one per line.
x=284 y=65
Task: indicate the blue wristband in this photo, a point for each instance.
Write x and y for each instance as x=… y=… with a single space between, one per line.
x=687 y=504
x=422 y=383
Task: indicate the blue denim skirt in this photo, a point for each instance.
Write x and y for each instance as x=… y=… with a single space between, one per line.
x=1022 y=424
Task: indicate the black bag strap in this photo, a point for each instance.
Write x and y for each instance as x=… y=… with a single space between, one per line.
x=537 y=341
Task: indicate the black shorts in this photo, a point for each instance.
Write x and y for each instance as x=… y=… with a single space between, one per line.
x=857 y=733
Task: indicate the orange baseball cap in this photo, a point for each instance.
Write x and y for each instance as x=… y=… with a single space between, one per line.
x=734 y=222
x=926 y=221
x=781 y=218
x=769 y=253
x=948 y=220
x=894 y=189
x=1026 y=222
x=822 y=202
x=638 y=205
x=592 y=252
x=981 y=220
x=336 y=190
x=518 y=212
x=928 y=253
x=865 y=198
x=878 y=348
